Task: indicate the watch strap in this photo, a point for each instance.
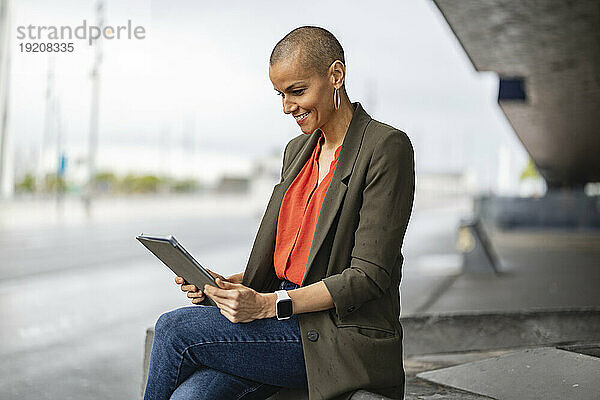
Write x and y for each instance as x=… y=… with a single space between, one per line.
x=282 y=294
x=283 y=297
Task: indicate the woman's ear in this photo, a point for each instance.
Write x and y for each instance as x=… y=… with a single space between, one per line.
x=337 y=73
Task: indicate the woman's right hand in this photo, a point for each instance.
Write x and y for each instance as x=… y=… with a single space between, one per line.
x=193 y=292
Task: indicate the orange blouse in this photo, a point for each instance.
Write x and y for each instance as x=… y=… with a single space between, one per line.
x=298 y=217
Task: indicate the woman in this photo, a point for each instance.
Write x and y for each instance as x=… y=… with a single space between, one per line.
x=330 y=239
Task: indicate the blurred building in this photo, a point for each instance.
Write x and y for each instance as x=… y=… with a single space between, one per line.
x=233 y=184
x=547 y=55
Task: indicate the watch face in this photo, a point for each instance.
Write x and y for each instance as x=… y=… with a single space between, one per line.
x=284 y=308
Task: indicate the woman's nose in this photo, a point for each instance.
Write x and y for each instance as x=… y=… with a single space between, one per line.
x=288 y=107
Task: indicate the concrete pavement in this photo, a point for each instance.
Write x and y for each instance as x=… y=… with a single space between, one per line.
x=76 y=314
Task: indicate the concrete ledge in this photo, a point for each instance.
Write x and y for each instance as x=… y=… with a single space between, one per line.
x=147 y=350
x=297 y=394
x=448 y=333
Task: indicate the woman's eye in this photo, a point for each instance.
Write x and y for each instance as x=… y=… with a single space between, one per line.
x=298 y=92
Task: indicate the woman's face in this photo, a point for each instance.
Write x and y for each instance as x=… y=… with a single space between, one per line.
x=304 y=94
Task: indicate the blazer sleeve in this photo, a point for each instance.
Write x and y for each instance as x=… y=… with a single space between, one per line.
x=384 y=215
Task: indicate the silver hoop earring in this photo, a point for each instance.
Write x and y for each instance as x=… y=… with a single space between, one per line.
x=336 y=99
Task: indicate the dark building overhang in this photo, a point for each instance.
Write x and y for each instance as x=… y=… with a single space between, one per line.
x=547 y=54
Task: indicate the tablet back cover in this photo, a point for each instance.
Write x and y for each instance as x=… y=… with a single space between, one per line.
x=179 y=263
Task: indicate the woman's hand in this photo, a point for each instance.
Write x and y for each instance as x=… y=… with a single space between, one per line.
x=192 y=291
x=239 y=303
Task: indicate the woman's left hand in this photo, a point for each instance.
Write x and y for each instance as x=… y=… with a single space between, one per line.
x=238 y=303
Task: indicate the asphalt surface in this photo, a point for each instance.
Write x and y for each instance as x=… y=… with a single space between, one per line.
x=77 y=293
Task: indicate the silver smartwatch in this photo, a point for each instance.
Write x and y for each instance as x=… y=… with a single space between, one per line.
x=283 y=307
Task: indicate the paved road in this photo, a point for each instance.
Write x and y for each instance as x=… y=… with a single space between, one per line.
x=76 y=295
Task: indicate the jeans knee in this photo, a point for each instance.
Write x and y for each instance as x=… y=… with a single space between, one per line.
x=175 y=323
x=184 y=324
x=167 y=323
x=161 y=324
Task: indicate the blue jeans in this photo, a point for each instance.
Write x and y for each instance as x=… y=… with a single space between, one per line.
x=197 y=354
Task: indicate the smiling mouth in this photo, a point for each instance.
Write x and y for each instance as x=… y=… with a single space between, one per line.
x=300 y=118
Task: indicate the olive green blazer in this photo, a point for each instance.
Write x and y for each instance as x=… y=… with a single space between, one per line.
x=356 y=251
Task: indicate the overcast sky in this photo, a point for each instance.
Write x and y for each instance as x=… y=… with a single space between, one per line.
x=200 y=78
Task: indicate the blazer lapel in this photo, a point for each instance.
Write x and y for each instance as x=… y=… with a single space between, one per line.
x=299 y=160
x=259 y=273
x=339 y=182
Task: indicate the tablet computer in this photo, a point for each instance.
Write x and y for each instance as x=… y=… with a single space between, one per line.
x=168 y=250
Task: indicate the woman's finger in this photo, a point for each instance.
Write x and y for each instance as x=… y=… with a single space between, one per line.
x=189 y=288
x=197 y=300
x=222 y=293
x=227 y=314
x=223 y=304
x=195 y=294
x=215 y=275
